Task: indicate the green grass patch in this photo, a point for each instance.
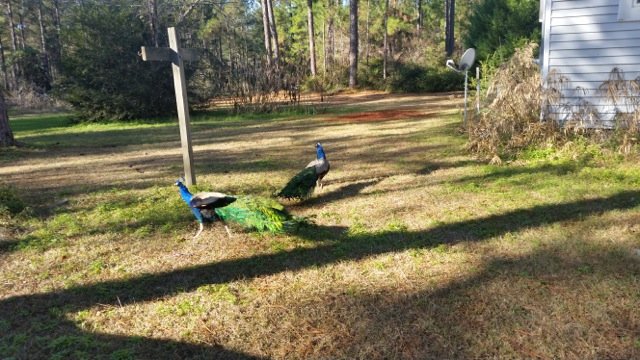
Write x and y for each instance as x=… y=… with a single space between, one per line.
x=413 y=243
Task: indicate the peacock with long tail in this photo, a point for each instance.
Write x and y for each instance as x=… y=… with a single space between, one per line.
x=249 y=212
x=301 y=186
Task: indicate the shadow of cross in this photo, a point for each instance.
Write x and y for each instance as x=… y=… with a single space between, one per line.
x=44 y=315
x=177 y=56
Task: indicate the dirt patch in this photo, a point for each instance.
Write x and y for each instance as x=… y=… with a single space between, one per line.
x=382 y=115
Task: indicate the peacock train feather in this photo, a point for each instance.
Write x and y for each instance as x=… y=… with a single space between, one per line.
x=302 y=185
x=249 y=212
x=255 y=213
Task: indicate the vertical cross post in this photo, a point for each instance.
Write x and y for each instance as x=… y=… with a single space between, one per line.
x=177 y=56
x=180 y=85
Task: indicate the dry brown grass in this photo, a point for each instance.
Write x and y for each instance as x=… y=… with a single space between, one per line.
x=417 y=252
x=512 y=121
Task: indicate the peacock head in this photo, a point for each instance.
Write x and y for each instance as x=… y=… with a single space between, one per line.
x=180 y=181
x=320 y=151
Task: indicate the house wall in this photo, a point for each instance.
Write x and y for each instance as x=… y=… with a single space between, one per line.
x=584 y=40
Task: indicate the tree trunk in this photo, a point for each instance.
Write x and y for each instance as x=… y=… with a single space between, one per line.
x=3 y=66
x=385 y=39
x=43 y=43
x=6 y=135
x=56 y=52
x=420 y=20
x=450 y=13
x=267 y=36
x=14 y=43
x=153 y=21
x=330 y=41
x=312 y=42
x=56 y=15
x=366 y=33
x=21 y=26
x=353 y=44
x=12 y=26
x=43 y=40
x=273 y=30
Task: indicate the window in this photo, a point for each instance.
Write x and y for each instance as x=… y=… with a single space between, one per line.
x=629 y=10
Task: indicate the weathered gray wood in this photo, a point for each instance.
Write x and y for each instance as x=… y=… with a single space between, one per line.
x=167 y=54
x=177 y=56
x=180 y=86
x=156 y=54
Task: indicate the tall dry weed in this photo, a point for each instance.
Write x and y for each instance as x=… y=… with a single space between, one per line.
x=512 y=119
x=624 y=95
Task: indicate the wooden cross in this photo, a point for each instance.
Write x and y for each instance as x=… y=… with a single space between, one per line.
x=177 y=55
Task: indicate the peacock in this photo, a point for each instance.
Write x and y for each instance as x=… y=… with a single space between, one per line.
x=249 y=212
x=301 y=186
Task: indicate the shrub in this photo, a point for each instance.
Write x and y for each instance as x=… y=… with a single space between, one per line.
x=413 y=78
x=102 y=75
x=512 y=121
x=10 y=201
x=497 y=27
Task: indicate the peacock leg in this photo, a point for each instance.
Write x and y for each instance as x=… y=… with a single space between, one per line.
x=199 y=230
x=228 y=231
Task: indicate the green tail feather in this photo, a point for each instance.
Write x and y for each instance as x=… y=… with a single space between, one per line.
x=300 y=186
x=256 y=213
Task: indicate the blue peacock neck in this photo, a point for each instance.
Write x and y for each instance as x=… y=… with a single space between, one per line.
x=320 y=152
x=184 y=193
x=186 y=196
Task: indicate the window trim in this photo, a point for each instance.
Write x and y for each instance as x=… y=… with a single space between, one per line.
x=629 y=10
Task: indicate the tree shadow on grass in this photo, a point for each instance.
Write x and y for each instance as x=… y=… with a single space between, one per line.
x=430 y=167
x=506 y=172
x=341 y=193
x=32 y=319
x=506 y=309
x=8 y=245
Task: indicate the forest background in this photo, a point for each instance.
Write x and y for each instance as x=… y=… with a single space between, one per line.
x=85 y=53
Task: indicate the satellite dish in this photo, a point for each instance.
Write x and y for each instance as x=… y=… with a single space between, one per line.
x=467 y=59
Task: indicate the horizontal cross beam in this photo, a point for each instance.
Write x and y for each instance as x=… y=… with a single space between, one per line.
x=167 y=54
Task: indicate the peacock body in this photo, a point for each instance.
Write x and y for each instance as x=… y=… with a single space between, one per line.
x=249 y=212
x=302 y=185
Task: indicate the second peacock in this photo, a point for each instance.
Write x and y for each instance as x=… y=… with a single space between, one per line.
x=301 y=186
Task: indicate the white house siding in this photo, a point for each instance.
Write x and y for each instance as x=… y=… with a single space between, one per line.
x=584 y=41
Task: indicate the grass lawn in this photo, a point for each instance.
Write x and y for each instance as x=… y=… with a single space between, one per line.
x=417 y=250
